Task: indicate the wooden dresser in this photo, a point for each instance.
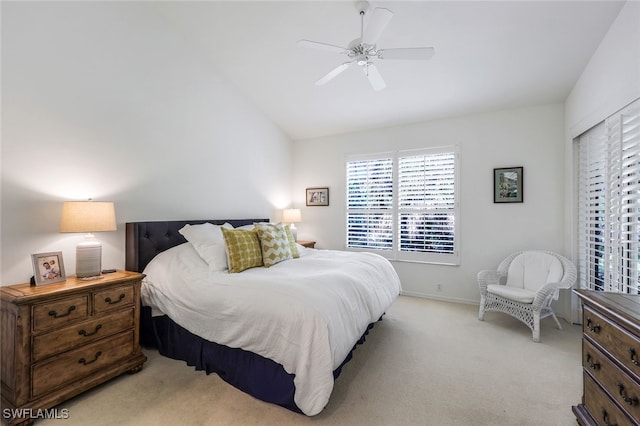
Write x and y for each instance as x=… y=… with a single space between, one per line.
x=60 y=339
x=610 y=359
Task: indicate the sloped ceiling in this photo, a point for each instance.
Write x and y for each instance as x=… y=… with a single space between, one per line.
x=488 y=56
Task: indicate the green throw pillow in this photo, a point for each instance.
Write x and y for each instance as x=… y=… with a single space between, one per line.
x=243 y=249
x=292 y=242
x=274 y=243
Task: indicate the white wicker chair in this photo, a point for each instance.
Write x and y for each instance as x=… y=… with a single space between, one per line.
x=524 y=285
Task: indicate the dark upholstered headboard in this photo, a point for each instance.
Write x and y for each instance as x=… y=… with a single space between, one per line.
x=145 y=240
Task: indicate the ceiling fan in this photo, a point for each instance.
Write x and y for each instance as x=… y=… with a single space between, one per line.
x=363 y=50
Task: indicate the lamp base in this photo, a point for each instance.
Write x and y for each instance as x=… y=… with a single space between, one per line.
x=88 y=258
x=294 y=231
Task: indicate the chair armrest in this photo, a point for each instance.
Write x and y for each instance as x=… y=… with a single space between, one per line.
x=546 y=292
x=487 y=277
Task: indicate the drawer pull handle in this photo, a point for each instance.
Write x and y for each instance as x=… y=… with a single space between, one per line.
x=87 y=334
x=57 y=315
x=594 y=365
x=625 y=398
x=113 y=302
x=634 y=356
x=593 y=328
x=605 y=418
x=85 y=362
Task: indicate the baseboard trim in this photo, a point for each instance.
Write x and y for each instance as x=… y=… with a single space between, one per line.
x=441 y=298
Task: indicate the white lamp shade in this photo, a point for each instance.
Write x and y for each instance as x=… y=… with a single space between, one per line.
x=88 y=216
x=291 y=215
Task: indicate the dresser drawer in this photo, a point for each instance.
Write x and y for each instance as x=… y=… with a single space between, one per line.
x=80 y=334
x=624 y=346
x=56 y=314
x=618 y=384
x=79 y=363
x=605 y=411
x=113 y=298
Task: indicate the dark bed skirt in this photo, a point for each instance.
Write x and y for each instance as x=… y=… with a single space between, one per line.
x=256 y=375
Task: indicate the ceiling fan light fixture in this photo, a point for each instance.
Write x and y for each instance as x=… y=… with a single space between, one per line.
x=362 y=49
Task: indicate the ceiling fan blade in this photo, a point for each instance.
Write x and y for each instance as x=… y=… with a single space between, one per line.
x=376 y=80
x=378 y=22
x=322 y=46
x=408 y=53
x=333 y=73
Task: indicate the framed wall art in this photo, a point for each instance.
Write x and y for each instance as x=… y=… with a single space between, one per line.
x=48 y=268
x=507 y=185
x=317 y=196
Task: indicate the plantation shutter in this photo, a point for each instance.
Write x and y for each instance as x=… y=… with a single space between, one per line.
x=626 y=128
x=426 y=204
x=370 y=203
x=592 y=216
x=609 y=204
x=403 y=204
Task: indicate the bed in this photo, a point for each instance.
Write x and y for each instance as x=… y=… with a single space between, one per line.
x=281 y=333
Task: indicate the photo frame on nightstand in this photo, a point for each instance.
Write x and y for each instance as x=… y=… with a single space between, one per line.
x=48 y=268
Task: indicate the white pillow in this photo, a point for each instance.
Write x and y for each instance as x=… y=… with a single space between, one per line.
x=208 y=242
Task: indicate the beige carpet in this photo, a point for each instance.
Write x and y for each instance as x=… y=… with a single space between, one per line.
x=427 y=363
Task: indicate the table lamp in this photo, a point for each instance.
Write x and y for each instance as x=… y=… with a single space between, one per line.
x=292 y=216
x=88 y=216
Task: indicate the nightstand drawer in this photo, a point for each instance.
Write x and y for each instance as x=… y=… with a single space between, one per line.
x=618 y=384
x=113 y=298
x=58 y=313
x=601 y=407
x=624 y=346
x=80 y=334
x=74 y=365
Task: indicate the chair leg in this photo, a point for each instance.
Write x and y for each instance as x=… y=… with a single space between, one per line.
x=536 y=327
x=481 y=309
x=556 y=320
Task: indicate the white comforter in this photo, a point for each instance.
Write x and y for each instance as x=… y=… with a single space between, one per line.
x=305 y=313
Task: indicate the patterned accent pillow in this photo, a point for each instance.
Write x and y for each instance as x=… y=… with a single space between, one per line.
x=292 y=242
x=243 y=249
x=274 y=242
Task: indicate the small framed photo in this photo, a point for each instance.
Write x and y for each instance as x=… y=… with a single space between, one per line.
x=507 y=185
x=48 y=268
x=317 y=196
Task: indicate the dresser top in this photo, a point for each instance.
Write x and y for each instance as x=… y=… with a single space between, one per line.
x=23 y=293
x=625 y=306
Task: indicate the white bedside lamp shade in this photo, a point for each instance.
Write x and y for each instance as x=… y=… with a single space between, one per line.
x=292 y=216
x=88 y=216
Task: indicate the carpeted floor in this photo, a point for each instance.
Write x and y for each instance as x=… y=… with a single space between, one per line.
x=427 y=363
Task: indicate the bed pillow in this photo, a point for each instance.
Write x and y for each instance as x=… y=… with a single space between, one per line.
x=274 y=243
x=207 y=239
x=292 y=242
x=242 y=249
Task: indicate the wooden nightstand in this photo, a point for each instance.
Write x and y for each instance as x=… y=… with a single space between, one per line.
x=59 y=340
x=307 y=244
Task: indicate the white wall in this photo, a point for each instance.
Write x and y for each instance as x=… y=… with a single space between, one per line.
x=528 y=137
x=100 y=100
x=611 y=79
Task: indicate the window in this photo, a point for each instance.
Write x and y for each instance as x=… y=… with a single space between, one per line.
x=403 y=205
x=609 y=204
